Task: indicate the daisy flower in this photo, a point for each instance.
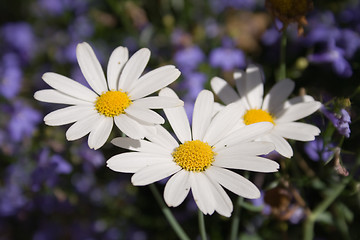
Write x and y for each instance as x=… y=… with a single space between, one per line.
x=120 y=99
x=198 y=161
x=274 y=108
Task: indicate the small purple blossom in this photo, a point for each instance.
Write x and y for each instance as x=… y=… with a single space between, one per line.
x=340 y=120
x=10 y=76
x=20 y=37
x=48 y=169
x=11 y=199
x=193 y=83
x=221 y=5
x=227 y=57
x=23 y=121
x=317 y=151
x=189 y=58
x=334 y=56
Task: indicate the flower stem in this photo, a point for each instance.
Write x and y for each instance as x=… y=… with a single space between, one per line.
x=169 y=216
x=236 y=219
x=282 y=68
x=310 y=221
x=202 y=225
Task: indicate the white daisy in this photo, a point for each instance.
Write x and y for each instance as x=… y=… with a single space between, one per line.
x=273 y=108
x=120 y=98
x=200 y=160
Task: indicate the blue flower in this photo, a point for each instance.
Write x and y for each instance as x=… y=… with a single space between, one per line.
x=340 y=120
x=227 y=57
x=48 y=169
x=23 y=121
x=10 y=76
x=317 y=151
x=20 y=37
x=189 y=58
x=331 y=54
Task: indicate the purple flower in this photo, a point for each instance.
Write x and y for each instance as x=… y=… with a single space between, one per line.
x=227 y=57
x=58 y=7
x=259 y=202
x=21 y=38
x=188 y=59
x=297 y=215
x=340 y=120
x=220 y=5
x=333 y=55
x=92 y=159
x=193 y=83
x=23 y=121
x=317 y=151
x=10 y=76
x=48 y=169
x=11 y=199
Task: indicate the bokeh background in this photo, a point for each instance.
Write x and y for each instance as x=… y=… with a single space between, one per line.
x=54 y=189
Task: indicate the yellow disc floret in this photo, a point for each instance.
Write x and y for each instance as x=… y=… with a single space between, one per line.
x=257 y=115
x=112 y=103
x=194 y=155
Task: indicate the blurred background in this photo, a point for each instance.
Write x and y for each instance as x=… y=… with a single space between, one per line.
x=54 y=189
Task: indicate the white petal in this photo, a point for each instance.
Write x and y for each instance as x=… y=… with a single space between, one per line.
x=129 y=126
x=234 y=182
x=254 y=87
x=133 y=69
x=145 y=115
x=101 y=132
x=246 y=148
x=222 y=123
x=297 y=131
x=203 y=110
x=297 y=112
x=139 y=145
x=154 y=173
x=54 y=96
x=177 y=188
x=223 y=90
x=68 y=115
x=69 y=87
x=177 y=118
x=116 y=64
x=163 y=138
x=240 y=80
x=91 y=68
x=131 y=162
x=154 y=81
x=278 y=94
x=202 y=193
x=158 y=102
x=83 y=127
x=281 y=145
x=223 y=203
x=245 y=134
x=249 y=163
x=292 y=101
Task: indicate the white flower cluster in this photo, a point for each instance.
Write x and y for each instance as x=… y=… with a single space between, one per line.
x=236 y=137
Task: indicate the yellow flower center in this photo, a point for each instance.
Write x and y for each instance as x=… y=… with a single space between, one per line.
x=112 y=103
x=194 y=156
x=257 y=115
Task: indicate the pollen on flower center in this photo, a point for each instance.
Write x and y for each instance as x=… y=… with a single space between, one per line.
x=194 y=155
x=112 y=103
x=257 y=115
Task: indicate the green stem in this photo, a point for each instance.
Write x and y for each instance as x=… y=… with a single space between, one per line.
x=282 y=68
x=169 y=216
x=236 y=219
x=202 y=225
x=310 y=221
